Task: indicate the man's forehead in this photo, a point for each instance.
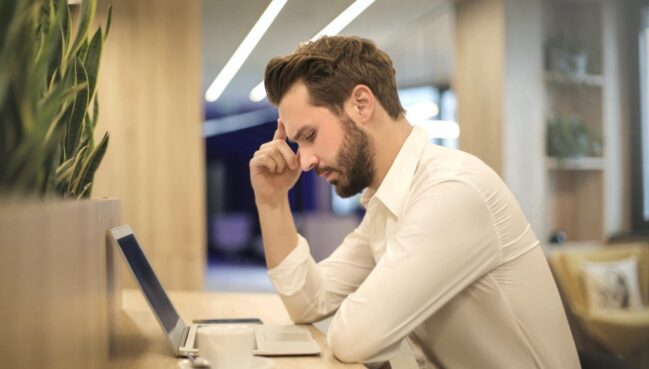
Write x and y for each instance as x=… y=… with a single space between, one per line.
x=296 y=121
x=294 y=130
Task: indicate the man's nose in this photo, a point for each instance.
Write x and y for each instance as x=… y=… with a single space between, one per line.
x=308 y=161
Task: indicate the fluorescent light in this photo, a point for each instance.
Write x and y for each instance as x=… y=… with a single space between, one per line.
x=258 y=93
x=439 y=128
x=243 y=51
x=342 y=20
x=422 y=111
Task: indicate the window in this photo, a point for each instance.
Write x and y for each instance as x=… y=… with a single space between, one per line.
x=429 y=107
x=641 y=121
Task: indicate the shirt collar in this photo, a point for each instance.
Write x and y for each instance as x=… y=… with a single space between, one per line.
x=396 y=184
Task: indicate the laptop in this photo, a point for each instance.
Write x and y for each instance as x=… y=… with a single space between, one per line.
x=270 y=340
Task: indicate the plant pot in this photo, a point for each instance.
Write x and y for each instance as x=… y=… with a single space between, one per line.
x=572 y=63
x=59 y=286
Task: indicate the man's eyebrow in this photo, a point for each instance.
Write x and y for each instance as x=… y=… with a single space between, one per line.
x=299 y=134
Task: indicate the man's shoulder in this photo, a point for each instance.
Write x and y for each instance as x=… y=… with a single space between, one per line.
x=440 y=164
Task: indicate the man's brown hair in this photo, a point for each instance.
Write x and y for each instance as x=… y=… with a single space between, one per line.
x=330 y=67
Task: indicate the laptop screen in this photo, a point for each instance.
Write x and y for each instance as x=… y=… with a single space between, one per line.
x=149 y=282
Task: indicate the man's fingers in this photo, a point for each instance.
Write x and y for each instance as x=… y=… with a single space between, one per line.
x=271 y=158
x=278 y=151
x=287 y=154
x=280 y=132
x=283 y=148
x=265 y=162
x=279 y=160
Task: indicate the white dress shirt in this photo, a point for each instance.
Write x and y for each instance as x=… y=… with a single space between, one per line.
x=444 y=257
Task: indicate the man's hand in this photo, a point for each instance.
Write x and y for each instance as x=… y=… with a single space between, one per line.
x=274 y=169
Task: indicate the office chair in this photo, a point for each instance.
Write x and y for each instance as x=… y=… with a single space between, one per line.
x=598 y=360
x=620 y=332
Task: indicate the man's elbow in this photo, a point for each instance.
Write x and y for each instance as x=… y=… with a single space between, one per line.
x=351 y=347
x=304 y=316
x=352 y=343
x=299 y=317
x=301 y=313
x=345 y=350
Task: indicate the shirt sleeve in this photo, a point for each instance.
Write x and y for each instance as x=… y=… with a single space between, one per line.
x=313 y=291
x=444 y=242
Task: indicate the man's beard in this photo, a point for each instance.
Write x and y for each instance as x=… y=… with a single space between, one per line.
x=354 y=161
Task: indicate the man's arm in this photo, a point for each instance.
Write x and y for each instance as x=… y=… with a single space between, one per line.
x=310 y=291
x=277 y=230
x=444 y=243
x=274 y=170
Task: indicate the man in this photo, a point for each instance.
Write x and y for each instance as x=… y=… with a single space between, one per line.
x=444 y=256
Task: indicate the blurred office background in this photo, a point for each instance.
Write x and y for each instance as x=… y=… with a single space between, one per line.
x=550 y=93
x=419 y=37
x=504 y=80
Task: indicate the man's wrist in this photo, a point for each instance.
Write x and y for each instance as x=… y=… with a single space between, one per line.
x=271 y=204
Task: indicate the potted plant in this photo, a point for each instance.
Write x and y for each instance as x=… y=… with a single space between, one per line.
x=48 y=99
x=57 y=269
x=568 y=55
x=570 y=137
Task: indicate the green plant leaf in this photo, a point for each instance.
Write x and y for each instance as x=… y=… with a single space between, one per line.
x=49 y=184
x=15 y=28
x=74 y=125
x=50 y=43
x=87 y=133
x=86 y=17
x=48 y=76
x=85 y=192
x=82 y=50
x=67 y=40
x=73 y=181
x=93 y=162
x=95 y=111
x=52 y=104
x=91 y=61
x=42 y=140
x=7 y=14
x=64 y=29
x=109 y=19
x=31 y=157
x=64 y=170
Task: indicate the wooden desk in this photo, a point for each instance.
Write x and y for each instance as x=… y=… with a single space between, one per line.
x=139 y=341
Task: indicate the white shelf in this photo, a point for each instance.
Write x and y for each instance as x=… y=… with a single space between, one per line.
x=589 y=163
x=592 y=80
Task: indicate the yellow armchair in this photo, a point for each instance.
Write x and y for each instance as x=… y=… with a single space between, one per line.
x=617 y=330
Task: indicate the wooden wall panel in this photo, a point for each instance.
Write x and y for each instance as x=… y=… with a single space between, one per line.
x=151 y=102
x=58 y=295
x=578 y=204
x=478 y=78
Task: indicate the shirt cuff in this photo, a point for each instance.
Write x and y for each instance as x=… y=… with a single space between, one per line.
x=289 y=276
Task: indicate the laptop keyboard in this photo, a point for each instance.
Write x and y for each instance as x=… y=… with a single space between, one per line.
x=285 y=337
x=254 y=343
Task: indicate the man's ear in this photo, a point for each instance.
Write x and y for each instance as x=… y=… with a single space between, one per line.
x=362 y=103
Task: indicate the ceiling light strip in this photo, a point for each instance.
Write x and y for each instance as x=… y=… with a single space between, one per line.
x=258 y=93
x=243 y=51
x=344 y=18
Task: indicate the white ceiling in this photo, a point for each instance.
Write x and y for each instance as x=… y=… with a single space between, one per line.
x=418 y=34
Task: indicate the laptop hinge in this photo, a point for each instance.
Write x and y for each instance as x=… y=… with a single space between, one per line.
x=183 y=337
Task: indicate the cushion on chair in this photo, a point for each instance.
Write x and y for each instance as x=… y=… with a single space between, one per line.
x=620 y=331
x=612 y=284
